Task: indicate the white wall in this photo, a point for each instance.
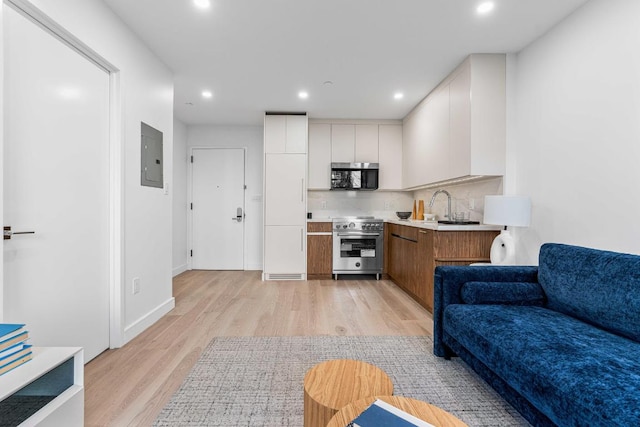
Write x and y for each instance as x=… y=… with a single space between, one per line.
x=578 y=131
x=251 y=138
x=179 y=197
x=147 y=95
x=468 y=198
x=381 y=204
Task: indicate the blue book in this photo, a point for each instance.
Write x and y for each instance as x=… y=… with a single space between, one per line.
x=13 y=349
x=15 y=362
x=382 y=414
x=11 y=335
x=7 y=330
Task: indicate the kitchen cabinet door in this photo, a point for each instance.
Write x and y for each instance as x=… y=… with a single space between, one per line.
x=275 y=133
x=319 y=156
x=390 y=157
x=366 y=149
x=285 y=134
x=296 y=134
x=460 y=123
x=343 y=143
x=285 y=189
x=436 y=160
x=426 y=266
x=285 y=250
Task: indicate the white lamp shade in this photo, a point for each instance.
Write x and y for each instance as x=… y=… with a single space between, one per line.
x=507 y=210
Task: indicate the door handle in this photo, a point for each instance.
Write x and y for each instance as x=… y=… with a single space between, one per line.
x=8 y=233
x=239 y=215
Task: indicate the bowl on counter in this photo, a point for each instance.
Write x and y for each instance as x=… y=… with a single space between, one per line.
x=403 y=215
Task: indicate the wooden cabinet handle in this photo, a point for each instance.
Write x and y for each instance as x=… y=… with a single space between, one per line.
x=423 y=232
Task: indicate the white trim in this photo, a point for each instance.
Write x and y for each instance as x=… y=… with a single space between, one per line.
x=116 y=138
x=116 y=215
x=137 y=327
x=179 y=270
x=2 y=151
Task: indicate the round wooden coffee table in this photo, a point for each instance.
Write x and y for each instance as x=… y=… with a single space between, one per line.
x=419 y=409
x=331 y=385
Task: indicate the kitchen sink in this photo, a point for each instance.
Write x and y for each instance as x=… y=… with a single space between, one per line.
x=447 y=222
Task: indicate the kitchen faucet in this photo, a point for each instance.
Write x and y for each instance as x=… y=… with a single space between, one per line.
x=433 y=198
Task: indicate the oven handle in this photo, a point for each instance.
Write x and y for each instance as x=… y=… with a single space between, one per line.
x=359 y=234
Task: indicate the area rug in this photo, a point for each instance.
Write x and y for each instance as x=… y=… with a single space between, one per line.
x=258 y=381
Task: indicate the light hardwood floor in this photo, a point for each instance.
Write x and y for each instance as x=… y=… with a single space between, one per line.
x=129 y=386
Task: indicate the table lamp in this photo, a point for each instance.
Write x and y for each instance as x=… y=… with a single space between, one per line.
x=506 y=210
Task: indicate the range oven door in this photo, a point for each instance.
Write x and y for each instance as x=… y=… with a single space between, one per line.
x=357 y=252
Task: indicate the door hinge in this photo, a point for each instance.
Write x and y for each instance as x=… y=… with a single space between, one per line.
x=191 y=206
x=191 y=159
x=191 y=252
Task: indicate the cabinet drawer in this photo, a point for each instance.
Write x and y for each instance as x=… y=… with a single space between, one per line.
x=316 y=227
x=404 y=232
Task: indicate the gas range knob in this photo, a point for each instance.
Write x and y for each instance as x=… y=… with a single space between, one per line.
x=344 y=226
x=338 y=226
x=352 y=225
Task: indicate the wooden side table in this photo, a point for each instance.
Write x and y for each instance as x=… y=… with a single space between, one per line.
x=331 y=385
x=419 y=409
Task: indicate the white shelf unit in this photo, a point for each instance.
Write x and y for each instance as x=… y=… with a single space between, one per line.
x=65 y=409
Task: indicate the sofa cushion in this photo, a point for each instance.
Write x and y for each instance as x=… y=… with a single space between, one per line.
x=599 y=287
x=573 y=372
x=511 y=293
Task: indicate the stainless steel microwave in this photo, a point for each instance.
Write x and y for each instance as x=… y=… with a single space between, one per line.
x=354 y=176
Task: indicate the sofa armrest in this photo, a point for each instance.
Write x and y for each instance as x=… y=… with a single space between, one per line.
x=448 y=281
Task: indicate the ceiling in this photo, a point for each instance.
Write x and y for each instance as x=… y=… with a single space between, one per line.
x=257 y=55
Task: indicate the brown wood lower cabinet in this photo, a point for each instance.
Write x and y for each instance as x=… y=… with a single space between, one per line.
x=414 y=254
x=319 y=250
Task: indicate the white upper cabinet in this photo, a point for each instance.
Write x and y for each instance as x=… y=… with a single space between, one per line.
x=356 y=142
x=390 y=157
x=319 y=156
x=366 y=149
x=459 y=129
x=460 y=119
x=275 y=134
x=296 y=134
x=285 y=133
x=343 y=143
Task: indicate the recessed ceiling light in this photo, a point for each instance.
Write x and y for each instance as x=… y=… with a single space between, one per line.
x=398 y=95
x=207 y=94
x=202 y=4
x=485 y=7
x=303 y=95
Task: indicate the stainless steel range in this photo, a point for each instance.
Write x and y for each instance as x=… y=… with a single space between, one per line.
x=357 y=245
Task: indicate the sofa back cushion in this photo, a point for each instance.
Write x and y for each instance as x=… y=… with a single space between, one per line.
x=502 y=293
x=598 y=287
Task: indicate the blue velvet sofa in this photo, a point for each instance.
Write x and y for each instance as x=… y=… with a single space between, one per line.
x=560 y=342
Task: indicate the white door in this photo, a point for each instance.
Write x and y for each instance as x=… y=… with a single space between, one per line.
x=56 y=183
x=218 y=209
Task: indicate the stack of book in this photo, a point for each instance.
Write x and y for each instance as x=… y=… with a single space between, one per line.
x=14 y=351
x=381 y=414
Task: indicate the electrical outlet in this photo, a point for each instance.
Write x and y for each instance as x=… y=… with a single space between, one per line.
x=136 y=286
x=472 y=204
x=323 y=204
x=387 y=205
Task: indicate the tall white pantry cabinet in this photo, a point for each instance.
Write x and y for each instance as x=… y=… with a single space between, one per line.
x=285 y=197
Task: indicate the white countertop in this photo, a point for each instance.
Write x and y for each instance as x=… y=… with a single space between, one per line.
x=430 y=225
x=433 y=225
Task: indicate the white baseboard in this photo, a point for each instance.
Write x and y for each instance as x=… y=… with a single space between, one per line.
x=135 y=329
x=251 y=267
x=180 y=269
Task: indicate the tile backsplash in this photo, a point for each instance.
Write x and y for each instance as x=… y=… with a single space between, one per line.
x=384 y=204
